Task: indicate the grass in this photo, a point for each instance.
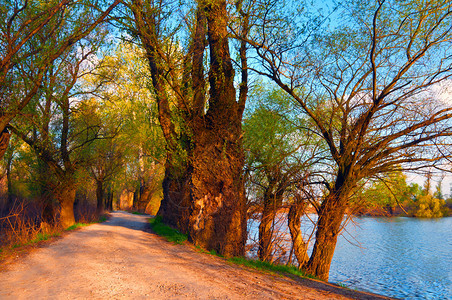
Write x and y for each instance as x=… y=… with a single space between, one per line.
x=137 y=213
x=77 y=225
x=43 y=237
x=213 y=252
x=12 y=249
x=102 y=219
x=261 y=265
x=170 y=234
x=266 y=266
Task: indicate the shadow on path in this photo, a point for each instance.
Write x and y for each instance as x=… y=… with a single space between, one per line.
x=128 y=220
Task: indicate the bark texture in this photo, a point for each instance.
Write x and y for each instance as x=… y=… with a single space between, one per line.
x=203 y=187
x=66 y=198
x=217 y=208
x=300 y=247
x=4 y=141
x=175 y=204
x=273 y=197
x=217 y=211
x=328 y=230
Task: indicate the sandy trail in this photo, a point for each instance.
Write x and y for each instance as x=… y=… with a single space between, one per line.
x=119 y=260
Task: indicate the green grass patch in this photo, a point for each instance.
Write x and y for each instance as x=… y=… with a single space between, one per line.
x=38 y=238
x=137 y=213
x=102 y=219
x=213 y=252
x=170 y=234
x=266 y=266
x=76 y=225
x=43 y=237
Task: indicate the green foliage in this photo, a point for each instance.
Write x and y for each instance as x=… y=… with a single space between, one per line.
x=271 y=128
x=387 y=191
x=266 y=266
x=128 y=108
x=170 y=234
x=428 y=205
x=420 y=201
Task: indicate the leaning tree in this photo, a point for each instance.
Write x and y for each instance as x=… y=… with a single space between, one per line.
x=33 y=35
x=368 y=83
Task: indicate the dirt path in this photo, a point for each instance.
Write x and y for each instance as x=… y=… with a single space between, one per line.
x=119 y=260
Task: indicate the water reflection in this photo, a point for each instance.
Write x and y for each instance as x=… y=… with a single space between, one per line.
x=398 y=257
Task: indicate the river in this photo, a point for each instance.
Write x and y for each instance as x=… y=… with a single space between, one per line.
x=399 y=257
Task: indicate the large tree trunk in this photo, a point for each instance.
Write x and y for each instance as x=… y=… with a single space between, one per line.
x=217 y=212
x=217 y=209
x=328 y=230
x=266 y=233
x=175 y=204
x=203 y=186
x=300 y=248
x=66 y=198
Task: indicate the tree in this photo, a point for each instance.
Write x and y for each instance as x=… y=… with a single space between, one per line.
x=104 y=160
x=125 y=99
x=34 y=35
x=203 y=186
x=428 y=205
x=60 y=125
x=279 y=158
x=438 y=189
x=373 y=72
x=383 y=192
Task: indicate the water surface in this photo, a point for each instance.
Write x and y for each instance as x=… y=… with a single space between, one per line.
x=399 y=257
x=404 y=258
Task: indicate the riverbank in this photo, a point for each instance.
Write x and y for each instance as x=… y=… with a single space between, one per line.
x=120 y=259
x=396 y=211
